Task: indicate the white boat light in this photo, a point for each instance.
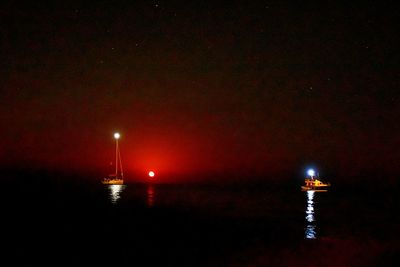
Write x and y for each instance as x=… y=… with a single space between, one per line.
x=311 y=172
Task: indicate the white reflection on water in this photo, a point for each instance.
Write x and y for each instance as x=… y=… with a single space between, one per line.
x=115 y=192
x=310 y=231
x=150 y=196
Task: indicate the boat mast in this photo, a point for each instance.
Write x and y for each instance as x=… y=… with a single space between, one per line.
x=120 y=163
x=116 y=157
x=116 y=136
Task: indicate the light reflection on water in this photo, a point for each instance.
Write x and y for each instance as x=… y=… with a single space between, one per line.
x=115 y=192
x=150 y=196
x=310 y=219
x=310 y=230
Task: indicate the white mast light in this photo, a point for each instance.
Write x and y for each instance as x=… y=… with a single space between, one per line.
x=117 y=135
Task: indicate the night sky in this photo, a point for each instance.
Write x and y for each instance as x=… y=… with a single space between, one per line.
x=254 y=88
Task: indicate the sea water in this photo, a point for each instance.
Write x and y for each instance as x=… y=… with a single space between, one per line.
x=92 y=224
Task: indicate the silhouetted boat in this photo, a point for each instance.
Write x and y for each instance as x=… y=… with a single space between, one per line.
x=118 y=176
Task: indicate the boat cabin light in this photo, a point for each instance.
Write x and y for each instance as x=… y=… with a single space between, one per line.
x=311 y=172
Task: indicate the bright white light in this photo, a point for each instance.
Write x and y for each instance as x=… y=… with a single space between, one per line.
x=151 y=173
x=117 y=135
x=311 y=172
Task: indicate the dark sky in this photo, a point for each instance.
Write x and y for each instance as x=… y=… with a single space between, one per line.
x=194 y=87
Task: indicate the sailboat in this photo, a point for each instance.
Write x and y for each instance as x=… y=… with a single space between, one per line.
x=116 y=178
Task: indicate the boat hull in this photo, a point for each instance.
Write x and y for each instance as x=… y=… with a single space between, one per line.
x=315 y=185
x=305 y=188
x=112 y=181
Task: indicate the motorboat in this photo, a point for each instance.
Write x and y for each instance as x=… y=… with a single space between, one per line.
x=312 y=182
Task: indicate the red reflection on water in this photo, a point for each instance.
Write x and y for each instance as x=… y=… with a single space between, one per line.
x=150 y=196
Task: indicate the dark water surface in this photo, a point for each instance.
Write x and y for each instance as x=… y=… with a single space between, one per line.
x=197 y=225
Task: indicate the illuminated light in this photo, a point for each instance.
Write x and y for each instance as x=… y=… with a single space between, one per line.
x=117 y=135
x=151 y=174
x=311 y=172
